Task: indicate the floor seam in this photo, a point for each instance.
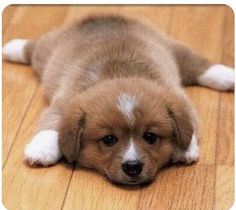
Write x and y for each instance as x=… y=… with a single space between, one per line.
x=67 y=189
x=217 y=125
x=19 y=128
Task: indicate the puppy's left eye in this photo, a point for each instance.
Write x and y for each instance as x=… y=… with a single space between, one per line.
x=109 y=140
x=150 y=137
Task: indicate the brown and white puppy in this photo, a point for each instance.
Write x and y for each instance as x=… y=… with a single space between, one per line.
x=116 y=98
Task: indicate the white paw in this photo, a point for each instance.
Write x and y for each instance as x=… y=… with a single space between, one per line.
x=43 y=149
x=189 y=156
x=218 y=77
x=192 y=153
x=14 y=50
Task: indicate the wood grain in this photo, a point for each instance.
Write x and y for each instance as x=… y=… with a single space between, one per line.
x=19 y=178
x=18 y=89
x=224 y=187
x=85 y=193
x=29 y=185
x=191 y=32
x=8 y=13
x=190 y=187
x=205 y=185
x=225 y=134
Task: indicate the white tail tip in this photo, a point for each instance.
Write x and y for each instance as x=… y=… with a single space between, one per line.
x=14 y=50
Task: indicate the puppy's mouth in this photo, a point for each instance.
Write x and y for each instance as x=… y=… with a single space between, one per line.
x=129 y=181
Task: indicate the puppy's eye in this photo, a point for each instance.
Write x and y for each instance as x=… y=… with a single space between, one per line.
x=150 y=137
x=109 y=140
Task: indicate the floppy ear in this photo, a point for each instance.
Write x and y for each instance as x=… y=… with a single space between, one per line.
x=183 y=121
x=70 y=134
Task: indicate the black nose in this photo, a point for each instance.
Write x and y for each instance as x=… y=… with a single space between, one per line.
x=132 y=167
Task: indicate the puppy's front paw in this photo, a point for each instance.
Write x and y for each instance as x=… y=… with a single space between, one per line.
x=189 y=156
x=43 y=149
x=219 y=77
x=192 y=154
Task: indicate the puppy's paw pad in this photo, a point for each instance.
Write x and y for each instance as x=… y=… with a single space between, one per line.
x=219 y=77
x=43 y=149
x=14 y=50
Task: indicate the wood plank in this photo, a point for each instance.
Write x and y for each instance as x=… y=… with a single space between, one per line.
x=19 y=81
x=31 y=22
x=209 y=22
x=228 y=37
x=33 y=188
x=89 y=190
x=24 y=187
x=152 y=15
x=19 y=84
x=190 y=187
x=224 y=187
x=225 y=135
x=207 y=112
x=8 y=13
x=203 y=30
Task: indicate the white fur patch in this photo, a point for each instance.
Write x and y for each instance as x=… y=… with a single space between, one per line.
x=131 y=153
x=192 y=154
x=43 y=149
x=126 y=104
x=93 y=76
x=218 y=77
x=14 y=50
x=189 y=156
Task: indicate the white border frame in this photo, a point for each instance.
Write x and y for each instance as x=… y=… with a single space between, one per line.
x=4 y=4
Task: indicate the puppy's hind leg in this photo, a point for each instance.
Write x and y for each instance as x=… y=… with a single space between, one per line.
x=18 y=50
x=219 y=77
x=195 y=70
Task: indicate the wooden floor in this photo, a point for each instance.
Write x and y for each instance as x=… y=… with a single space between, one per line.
x=209 y=184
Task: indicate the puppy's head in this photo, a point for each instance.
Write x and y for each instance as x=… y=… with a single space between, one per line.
x=125 y=129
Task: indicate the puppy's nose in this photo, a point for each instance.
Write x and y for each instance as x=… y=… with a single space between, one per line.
x=132 y=167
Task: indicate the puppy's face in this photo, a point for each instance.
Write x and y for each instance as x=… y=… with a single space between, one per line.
x=125 y=130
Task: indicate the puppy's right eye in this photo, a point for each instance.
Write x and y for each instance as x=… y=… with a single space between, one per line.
x=150 y=137
x=109 y=140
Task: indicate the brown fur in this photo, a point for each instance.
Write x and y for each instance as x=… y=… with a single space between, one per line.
x=84 y=68
x=103 y=118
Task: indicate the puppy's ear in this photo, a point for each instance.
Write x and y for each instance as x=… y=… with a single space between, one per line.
x=70 y=134
x=183 y=121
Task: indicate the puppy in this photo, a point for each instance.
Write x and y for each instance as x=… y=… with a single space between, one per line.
x=116 y=100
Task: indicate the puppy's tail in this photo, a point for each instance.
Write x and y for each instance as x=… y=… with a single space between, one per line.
x=19 y=50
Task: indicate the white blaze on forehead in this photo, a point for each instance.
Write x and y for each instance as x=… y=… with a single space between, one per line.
x=126 y=104
x=131 y=153
x=92 y=76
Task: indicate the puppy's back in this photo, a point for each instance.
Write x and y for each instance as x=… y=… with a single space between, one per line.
x=94 y=24
x=98 y=48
